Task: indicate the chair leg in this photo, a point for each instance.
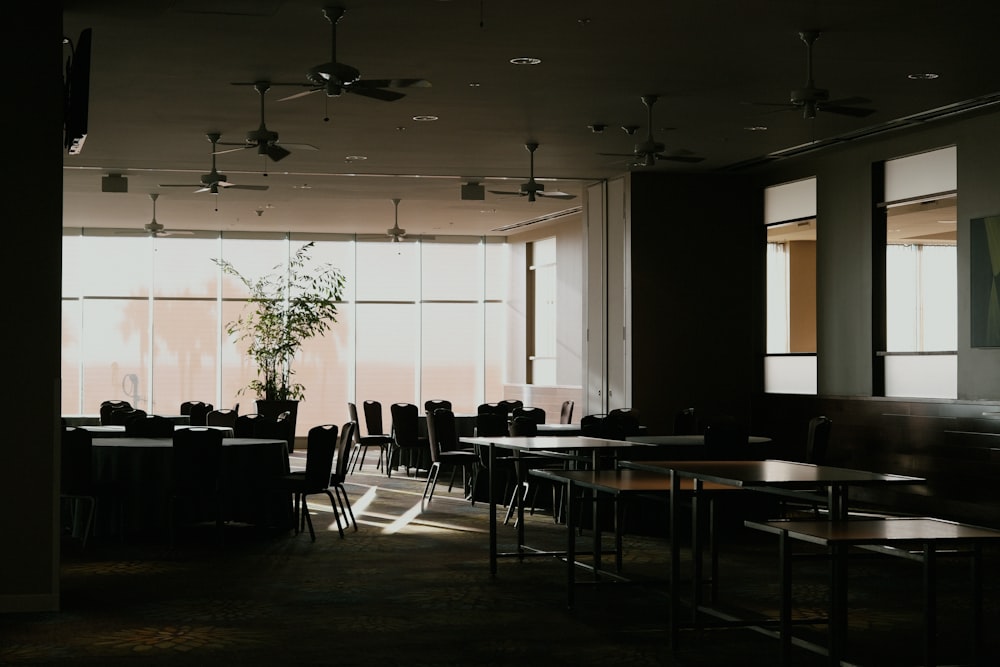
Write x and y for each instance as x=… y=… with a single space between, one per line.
x=345 y=505
x=336 y=514
x=307 y=518
x=429 y=485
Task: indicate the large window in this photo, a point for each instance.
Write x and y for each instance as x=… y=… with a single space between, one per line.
x=921 y=327
x=790 y=216
x=542 y=287
x=143 y=320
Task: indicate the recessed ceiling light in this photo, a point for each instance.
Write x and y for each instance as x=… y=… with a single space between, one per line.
x=755 y=128
x=474 y=84
x=355 y=158
x=926 y=76
x=427 y=118
x=525 y=61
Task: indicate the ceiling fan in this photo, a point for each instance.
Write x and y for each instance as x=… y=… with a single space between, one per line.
x=152 y=228
x=533 y=188
x=263 y=139
x=335 y=78
x=213 y=180
x=395 y=232
x=811 y=99
x=647 y=152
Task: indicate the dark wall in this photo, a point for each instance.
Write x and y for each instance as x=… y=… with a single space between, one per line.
x=31 y=333
x=697 y=282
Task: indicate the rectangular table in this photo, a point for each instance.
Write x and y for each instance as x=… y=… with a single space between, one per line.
x=518 y=445
x=616 y=483
x=768 y=476
x=893 y=536
x=141 y=467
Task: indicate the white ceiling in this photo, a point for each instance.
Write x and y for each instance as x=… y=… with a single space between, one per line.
x=162 y=74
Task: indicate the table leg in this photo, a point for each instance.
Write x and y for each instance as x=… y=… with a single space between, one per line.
x=675 y=559
x=522 y=480
x=977 y=603
x=838 y=602
x=493 y=510
x=930 y=604
x=570 y=545
x=696 y=549
x=785 y=601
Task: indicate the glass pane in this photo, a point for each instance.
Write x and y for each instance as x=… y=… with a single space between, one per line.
x=72 y=354
x=790 y=375
x=185 y=353
x=496 y=257
x=543 y=371
x=451 y=271
x=791 y=287
x=922 y=277
x=387 y=349
x=324 y=367
x=115 y=352
x=253 y=258
x=237 y=370
x=924 y=376
x=116 y=266
x=452 y=346
x=388 y=271
x=72 y=273
x=183 y=267
x=495 y=357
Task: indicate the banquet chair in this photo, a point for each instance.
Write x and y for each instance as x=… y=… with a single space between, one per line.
x=278 y=428
x=537 y=415
x=566 y=413
x=321 y=450
x=362 y=443
x=818 y=439
x=245 y=425
x=338 y=479
x=196 y=410
x=123 y=417
x=492 y=424
x=622 y=422
x=406 y=438
x=433 y=404
x=222 y=417
x=494 y=408
x=726 y=439
x=445 y=450
x=149 y=426
x=507 y=406
x=76 y=481
x=685 y=422
x=108 y=407
x=196 y=479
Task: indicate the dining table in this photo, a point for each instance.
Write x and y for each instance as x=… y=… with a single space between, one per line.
x=767 y=476
x=141 y=469
x=554 y=445
x=117 y=431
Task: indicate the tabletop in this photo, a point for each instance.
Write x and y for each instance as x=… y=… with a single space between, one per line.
x=164 y=443
x=770 y=472
x=618 y=481
x=553 y=442
x=879 y=531
x=115 y=431
x=692 y=439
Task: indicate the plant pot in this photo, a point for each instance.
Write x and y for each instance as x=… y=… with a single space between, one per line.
x=271 y=410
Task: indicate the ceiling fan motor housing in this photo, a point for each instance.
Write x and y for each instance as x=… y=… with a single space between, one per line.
x=336 y=73
x=805 y=95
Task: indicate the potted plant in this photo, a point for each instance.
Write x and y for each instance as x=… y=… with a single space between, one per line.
x=286 y=307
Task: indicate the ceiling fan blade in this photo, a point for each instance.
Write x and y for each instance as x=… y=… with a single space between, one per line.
x=847 y=102
x=298 y=95
x=304 y=147
x=180 y=185
x=242 y=147
x=618 y=154
x=391 y=83
x=508 y=193
x=375 y=93
x=276 y=152
x=680 y=158
x=555 y=194
x=173 y=233
x=246 y=187
x=856 y=112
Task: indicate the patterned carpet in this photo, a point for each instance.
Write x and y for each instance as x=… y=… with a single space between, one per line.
x=413 y=588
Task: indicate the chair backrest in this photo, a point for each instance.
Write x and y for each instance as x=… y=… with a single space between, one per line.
x=76 y=447
x=817 y=439
x=491 y=408
x=405 y=418
x=536 y=414
x=593 y=425
x=321 y=449
x=508 y=406
x=433 y=404
x=686 y=422
x=196 y=462
x=196 y=410
x=348 y=434
x=150 y=426
x=123 y=417
x=222 y=417
x=246 y=425
x=352 y=410
x=491 y=424
x=621 y=423
x=445 y=430
x=373 y=417
x=726 y=438
x=566 y=413
x=108 y=407
x=277 y=429
x=523 y=427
